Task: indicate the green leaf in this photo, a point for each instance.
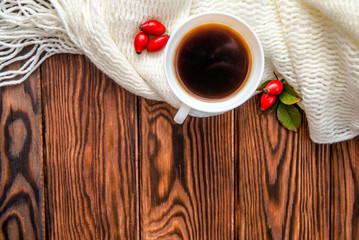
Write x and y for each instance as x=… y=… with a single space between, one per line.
x=271 y=109
x=289 y=96
x=289 y=116
x=263 y=85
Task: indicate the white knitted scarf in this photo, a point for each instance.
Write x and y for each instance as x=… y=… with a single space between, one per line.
x=313 y=44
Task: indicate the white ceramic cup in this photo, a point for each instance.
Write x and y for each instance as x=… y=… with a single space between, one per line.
x=213 y=107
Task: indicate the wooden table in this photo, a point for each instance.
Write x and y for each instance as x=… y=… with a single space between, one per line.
x=81 y=158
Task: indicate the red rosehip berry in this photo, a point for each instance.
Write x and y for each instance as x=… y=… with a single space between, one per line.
x=274 y=87
x=153 y=27
x=141 y=41
x=267 y=101
x=158 y=43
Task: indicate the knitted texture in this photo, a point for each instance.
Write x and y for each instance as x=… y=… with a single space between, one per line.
x=313 y=44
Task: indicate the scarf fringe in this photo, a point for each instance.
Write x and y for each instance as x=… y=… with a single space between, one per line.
x=30 y=32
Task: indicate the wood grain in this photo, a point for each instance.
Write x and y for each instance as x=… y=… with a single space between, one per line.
x=21 y=180
x=187 y=175
x=282 y=180
x=91 y=153
x=81 y=158
x=345 y=190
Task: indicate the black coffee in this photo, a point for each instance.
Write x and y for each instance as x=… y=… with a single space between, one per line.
x=212 y=62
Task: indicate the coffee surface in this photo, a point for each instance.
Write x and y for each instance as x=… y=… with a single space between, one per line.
x=212 y=62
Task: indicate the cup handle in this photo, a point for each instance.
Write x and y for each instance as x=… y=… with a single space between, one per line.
x=181 y=114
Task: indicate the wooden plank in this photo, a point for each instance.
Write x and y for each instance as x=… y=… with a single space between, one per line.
x=21 y=179
x=187 y=175
x=345 y=190
x=91 y=152
x=283 y=180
